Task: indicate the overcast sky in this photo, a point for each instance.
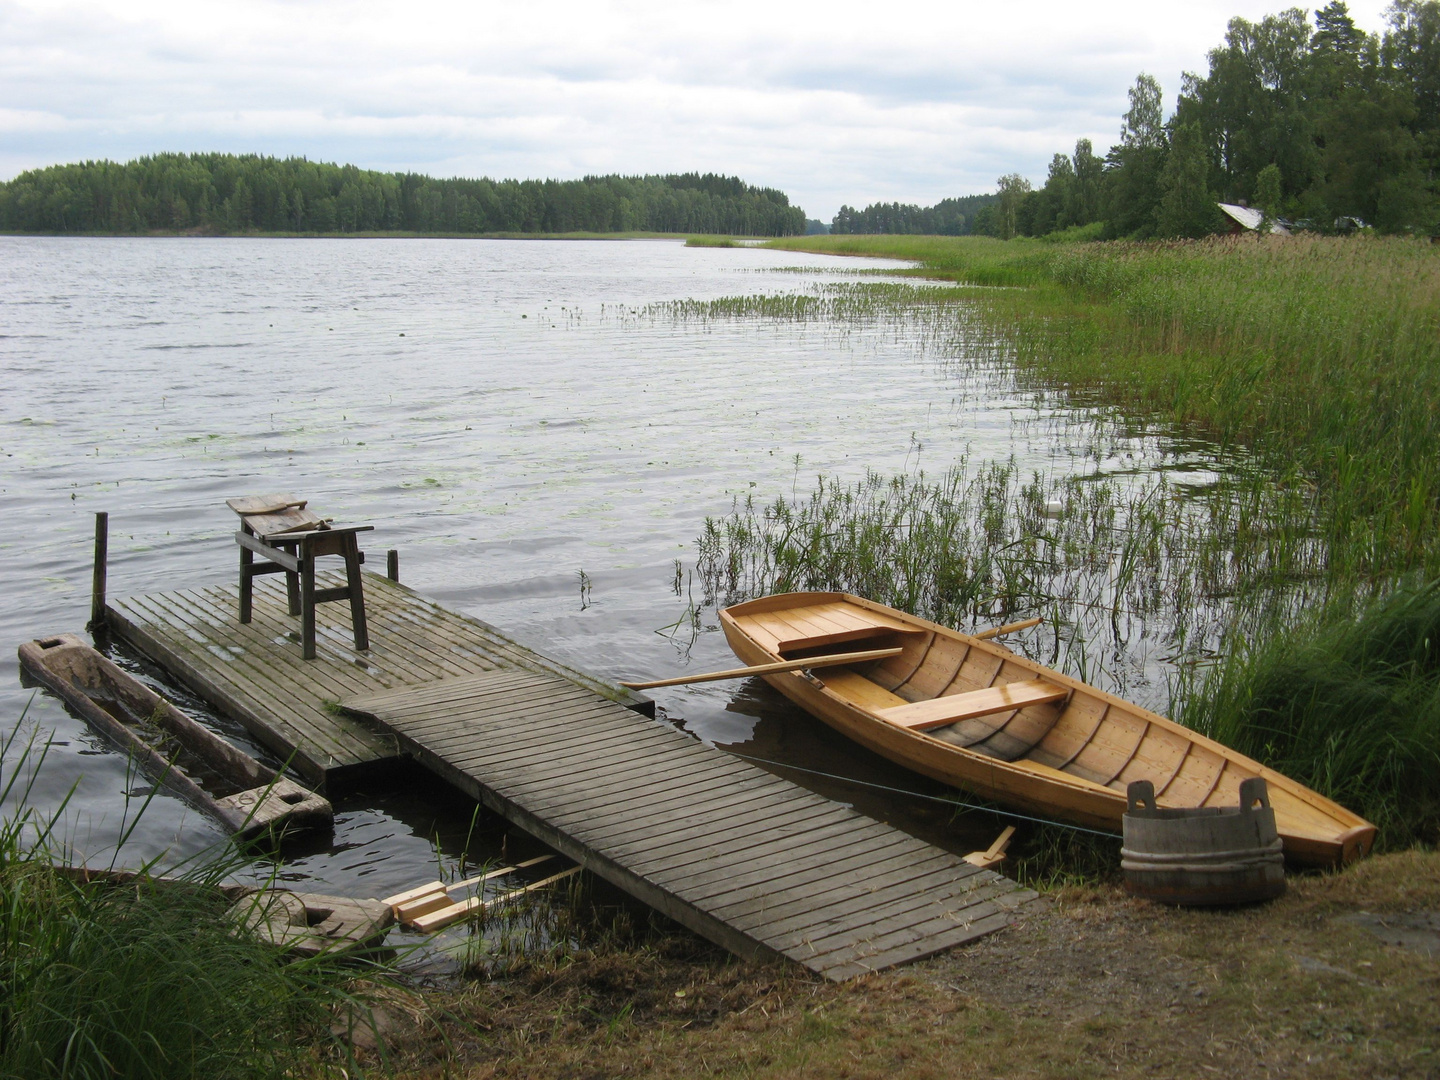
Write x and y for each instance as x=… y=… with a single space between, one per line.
x=833 y=102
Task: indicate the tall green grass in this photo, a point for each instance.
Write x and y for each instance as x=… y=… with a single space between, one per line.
x=1347 y=701
x=1116 y=569
x=147 y=979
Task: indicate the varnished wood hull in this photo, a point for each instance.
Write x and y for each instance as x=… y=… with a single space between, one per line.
x=1084 y=749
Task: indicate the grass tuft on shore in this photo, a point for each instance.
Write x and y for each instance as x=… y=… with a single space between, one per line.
x=148 y=979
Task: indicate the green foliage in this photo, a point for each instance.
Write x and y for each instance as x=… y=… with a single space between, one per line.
x=1013 y=189
x=224 y=193
x=1347 y=704
x=1133 y=166
x=147 y=979
x=1351 y=122
x=1187 y=205
x=1267 y=195
x=948 y=217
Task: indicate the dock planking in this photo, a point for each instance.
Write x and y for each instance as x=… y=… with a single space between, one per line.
x=749 y=860
x=254 y=673
x=742 y=857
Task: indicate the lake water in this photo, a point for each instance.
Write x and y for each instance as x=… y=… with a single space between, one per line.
x=508 y=414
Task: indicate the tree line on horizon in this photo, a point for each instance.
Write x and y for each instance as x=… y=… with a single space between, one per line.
x=228 y=193
x=1321 y=124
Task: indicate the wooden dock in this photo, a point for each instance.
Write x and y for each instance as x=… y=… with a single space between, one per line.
x=743 y=857
x=254 y=674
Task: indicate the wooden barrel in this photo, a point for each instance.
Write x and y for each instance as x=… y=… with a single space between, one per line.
x=1205 y=854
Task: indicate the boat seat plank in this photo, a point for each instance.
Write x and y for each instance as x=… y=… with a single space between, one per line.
x=855 y=687
x=943 y=711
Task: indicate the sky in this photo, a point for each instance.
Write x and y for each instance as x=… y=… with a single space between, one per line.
x=834 y=102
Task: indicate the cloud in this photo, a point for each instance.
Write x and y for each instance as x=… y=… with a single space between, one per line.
x=834 y=102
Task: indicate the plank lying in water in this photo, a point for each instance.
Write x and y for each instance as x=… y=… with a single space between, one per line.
x=748 y=860
x=255 y=674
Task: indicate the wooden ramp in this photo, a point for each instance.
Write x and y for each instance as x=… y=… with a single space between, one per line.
x=254 y=672
x=744 y=858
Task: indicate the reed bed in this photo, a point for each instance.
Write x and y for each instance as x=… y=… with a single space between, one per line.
x=1319 y=355
x=1138 y=581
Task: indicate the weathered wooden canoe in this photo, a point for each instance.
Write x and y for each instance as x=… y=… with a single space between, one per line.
x=973 y=714
x=246 y=796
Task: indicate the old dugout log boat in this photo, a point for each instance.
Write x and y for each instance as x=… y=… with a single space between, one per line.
x=246 y=796
x=973 y=714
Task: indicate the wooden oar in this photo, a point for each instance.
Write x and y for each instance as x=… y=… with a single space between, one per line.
x=1009 y=628
x=833 y=660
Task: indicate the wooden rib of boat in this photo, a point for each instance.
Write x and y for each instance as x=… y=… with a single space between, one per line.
x=246 y=796
x=973 y=714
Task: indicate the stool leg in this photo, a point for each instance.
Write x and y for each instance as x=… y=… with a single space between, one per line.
x=247 y=560
x=357 y=594
x=292 y=591
x=307 y=602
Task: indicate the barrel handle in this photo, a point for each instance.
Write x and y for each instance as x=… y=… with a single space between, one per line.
x=1141 y=794
x=1254 y=795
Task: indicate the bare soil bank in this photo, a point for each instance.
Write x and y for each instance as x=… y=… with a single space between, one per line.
x=1340 y=978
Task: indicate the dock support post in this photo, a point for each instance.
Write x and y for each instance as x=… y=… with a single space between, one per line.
x=392 y=565
x=102 y=556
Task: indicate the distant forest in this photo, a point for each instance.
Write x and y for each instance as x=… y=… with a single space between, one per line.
x=1321 y=125
x=225 y=193
x=949 y=217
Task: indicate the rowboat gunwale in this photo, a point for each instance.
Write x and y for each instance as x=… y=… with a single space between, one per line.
x=1024 y=784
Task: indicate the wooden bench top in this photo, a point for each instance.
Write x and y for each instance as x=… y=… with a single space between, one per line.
x=245 y=505
x=951 y=709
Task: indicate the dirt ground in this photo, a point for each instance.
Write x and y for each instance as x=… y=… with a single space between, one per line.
x=1339 y=978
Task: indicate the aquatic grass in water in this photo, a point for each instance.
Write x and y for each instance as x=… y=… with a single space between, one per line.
x=1114 y=569
x=1320 y=355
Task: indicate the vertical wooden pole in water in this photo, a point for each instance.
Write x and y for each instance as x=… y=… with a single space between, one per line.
x=102 y=556
x=392 y=565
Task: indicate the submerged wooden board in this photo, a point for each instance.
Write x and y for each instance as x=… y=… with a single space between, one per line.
x=254 y=672
x=750 y=861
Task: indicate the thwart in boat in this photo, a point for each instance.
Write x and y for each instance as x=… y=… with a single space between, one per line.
x=971 y=713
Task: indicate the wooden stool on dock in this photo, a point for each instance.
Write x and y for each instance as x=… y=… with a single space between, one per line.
x=291 y=538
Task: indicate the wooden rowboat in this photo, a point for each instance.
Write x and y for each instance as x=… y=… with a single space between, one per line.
x=245 y=796
x=973 y=714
